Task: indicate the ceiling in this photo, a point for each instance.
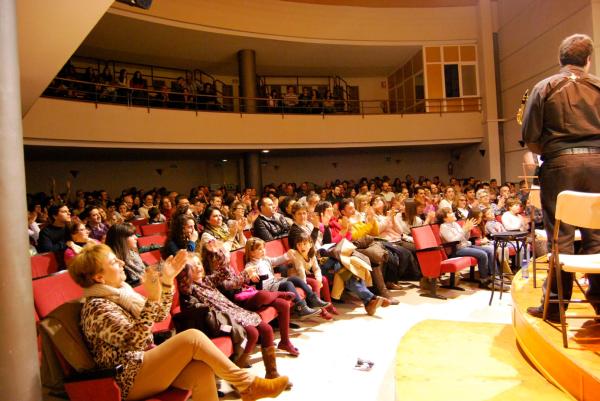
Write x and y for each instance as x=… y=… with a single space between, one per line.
x=121 y=38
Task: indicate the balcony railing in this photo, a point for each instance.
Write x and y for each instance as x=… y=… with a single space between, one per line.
x=158 y=98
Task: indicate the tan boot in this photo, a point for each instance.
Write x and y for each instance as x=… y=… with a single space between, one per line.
x=264 y=388
x=270 y=362
x=243 y=361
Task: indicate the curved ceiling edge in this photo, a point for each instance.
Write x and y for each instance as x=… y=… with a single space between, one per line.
x=245 y=146
x=381 y=19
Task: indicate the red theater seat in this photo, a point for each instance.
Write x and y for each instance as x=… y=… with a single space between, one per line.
x=43 y=264
x=434 y=261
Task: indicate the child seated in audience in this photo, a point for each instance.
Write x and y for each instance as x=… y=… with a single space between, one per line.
x=262 y=267
x=197 y=294
x=307 y=268
x=511 y=219
x=492 y=226
x=222 y=275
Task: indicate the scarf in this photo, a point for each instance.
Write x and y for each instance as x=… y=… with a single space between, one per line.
x=125 y=296
x=220 y=233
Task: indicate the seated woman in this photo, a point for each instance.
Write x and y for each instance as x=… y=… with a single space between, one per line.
x=451 y=231
x=235 y=286
x=346 y=277
x=238 y=214
x=214 y=228
x=117 y=324
x=182 y=235
x=196 y=293
x=166 y=208
x=390 y=229
x=79 y=236
x=122 y=241
x=460 y=206
x=260 y=265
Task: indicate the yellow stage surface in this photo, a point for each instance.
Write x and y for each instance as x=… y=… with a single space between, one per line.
x=465 y=361
x=576 y=370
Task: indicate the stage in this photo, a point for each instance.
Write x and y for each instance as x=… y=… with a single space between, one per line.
x=575 y=370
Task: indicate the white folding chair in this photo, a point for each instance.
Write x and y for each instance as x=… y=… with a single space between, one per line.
x=581 y=210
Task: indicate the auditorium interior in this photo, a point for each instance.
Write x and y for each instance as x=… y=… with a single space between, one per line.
x=405 y=87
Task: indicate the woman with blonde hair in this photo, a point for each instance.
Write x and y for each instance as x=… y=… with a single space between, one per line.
x=117 y=324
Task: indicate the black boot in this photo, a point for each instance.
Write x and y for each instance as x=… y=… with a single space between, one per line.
x=315 y=302
x=302 y=311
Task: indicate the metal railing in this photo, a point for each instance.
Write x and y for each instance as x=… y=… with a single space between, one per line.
x=112 y=93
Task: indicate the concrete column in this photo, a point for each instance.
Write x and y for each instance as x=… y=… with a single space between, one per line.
x=487 y=80
x=247 y=73
x=19 y=370
x=252 y=171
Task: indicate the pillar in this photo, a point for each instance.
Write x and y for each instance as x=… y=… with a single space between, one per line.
x=252 y=171
x=491 y=141
x=19 y=370
x=247 y=74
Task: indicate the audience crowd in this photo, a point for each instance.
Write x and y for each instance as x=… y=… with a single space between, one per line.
x=344 y=237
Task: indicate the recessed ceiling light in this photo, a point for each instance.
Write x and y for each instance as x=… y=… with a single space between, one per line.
x=266 y=151
x=224 y=160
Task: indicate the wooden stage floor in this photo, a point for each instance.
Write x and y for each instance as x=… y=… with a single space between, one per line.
x=576 y=370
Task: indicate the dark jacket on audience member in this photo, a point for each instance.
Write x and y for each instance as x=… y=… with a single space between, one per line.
x=54 y=239
x=268 y=229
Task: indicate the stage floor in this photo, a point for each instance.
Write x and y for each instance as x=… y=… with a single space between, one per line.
x=467 y=361
x=576 y=369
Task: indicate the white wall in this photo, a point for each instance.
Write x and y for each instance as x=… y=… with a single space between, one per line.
x=529 y=34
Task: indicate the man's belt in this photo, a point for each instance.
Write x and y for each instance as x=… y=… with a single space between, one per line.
x=570 y=151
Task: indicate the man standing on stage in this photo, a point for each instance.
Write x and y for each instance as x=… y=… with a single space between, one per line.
x=561 y=122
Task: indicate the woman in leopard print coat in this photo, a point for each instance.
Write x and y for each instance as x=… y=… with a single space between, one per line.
x=117 y=326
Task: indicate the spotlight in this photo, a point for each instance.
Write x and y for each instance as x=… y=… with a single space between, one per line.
x=266 y=151
x=224 y=160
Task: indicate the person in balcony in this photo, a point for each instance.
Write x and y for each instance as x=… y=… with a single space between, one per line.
x=290 y=100
x=117 y=325
x=138 y=82
x=274 y=102
x=304 y=100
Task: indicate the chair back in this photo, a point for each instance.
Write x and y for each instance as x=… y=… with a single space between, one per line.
x=52 y=291
x=236 y=260
x=151 y=258
x=275 y=248
x=430 y=260
x=152 y=229
x=152 y=240
x=579 y=209
x=43 y=264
